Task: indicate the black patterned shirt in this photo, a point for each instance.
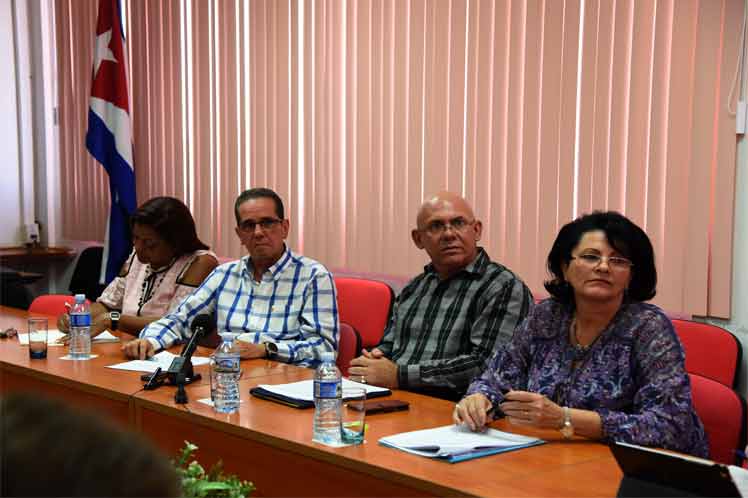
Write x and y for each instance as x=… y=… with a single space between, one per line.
x=443 y=331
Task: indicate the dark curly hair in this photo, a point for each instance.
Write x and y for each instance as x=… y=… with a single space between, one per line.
x=172 y=220
x=623 y=235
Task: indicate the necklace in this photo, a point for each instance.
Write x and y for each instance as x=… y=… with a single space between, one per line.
x=151 y=282
x=580 y=351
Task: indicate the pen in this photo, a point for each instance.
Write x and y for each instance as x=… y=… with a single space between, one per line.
x=153 y=381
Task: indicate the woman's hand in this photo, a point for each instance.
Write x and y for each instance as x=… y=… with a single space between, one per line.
x=526 y=408
x=99 y=324
x=63 y=323
x=472 y=411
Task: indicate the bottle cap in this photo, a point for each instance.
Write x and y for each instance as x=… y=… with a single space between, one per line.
x=80 y=298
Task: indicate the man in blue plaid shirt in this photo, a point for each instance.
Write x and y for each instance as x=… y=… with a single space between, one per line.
x=283 y=305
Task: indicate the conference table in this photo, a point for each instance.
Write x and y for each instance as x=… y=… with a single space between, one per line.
x=271 y=444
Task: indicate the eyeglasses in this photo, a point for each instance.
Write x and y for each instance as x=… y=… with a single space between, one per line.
x=147 y=243
x=594 y=260
x=438 y=227
x=265 y=223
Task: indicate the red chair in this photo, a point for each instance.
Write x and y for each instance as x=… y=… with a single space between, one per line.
x=51 y=304
x=349 y=347
x=722 y=411
x=711 y=351
x=366 y=305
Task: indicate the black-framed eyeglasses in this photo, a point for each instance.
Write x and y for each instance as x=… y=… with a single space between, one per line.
x=438 y=227
x=265 y=223
x=594 y=260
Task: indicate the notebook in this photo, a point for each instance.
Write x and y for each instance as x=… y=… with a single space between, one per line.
x=651 y=472
x=301 y=394
x=457 y=443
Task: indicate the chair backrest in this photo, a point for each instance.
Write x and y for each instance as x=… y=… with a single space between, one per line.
x=722 y=411
x=349 y=347
x=711 y=351
x=85 y=279
x=51 y=304
x=13 y=292
x=366 y=305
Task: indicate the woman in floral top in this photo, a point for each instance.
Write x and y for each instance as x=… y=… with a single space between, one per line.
x=594 y=359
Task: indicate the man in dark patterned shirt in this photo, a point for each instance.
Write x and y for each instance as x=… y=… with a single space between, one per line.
x=448 y=319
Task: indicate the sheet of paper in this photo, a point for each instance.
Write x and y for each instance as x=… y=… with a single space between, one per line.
x=162 y=359
x=304 y=390
x=209 y=402
x=740 y=478
x=105 y=336
x=453 y=440
x=54 y=336
x=68 y=357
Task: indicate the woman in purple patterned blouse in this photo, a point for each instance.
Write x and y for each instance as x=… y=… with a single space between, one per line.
x=594 y=359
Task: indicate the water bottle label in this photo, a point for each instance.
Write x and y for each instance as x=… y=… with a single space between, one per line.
x=228 y=363
x=329 y=389
x=82 y=320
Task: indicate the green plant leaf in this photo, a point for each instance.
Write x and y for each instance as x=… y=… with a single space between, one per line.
x=215 y=484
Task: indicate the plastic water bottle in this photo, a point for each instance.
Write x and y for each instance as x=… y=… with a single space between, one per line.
x=226 y=372
x=327 y=401
x=80 y=329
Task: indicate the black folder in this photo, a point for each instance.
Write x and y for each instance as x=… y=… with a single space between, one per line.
x=649 y=472
x=262 y=393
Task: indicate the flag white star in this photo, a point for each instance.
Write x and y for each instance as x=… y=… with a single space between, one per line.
x=103 y=53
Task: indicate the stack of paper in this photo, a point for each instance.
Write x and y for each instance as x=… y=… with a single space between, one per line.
x=54 y=336
x=301 y=394
x=456 y=443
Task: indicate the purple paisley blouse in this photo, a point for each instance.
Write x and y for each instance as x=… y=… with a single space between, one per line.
x=633 y=376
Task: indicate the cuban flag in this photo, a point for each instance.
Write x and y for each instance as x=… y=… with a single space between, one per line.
x=108 y=138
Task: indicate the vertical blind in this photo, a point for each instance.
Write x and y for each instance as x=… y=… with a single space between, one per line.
x=354 y=111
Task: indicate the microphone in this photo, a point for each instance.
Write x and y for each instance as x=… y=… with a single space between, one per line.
x=201 y=325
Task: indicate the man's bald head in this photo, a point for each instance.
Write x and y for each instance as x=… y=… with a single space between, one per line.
x=439 y=200
x=448 y=231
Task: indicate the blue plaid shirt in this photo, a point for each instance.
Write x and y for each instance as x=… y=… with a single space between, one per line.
x=293 y=306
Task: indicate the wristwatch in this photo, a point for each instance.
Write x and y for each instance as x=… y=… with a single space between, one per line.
x=271 y=349
x=567 y=430
x=114 y=318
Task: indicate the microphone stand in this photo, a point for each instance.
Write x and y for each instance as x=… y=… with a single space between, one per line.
x=181 y=370
x=182 y=364
x=181 y=396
